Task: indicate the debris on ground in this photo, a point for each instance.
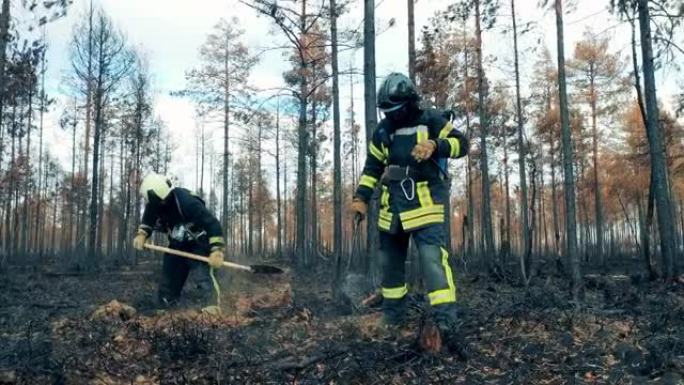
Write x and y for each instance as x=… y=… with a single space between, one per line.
x=278 y=331
x=113 y=311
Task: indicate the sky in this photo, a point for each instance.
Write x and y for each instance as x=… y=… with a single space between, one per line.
x=171 y=31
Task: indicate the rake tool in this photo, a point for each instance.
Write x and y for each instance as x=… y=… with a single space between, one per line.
x=256 y=269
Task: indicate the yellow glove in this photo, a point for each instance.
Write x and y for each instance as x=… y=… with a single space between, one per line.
x=424 y=150
x=139 y=240
x=216 y=258
x=359 y=207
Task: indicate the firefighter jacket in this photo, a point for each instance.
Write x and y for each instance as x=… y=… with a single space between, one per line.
x=184 y=217
x=416 y=198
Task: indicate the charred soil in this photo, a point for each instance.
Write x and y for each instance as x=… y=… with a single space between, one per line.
x=103 y=329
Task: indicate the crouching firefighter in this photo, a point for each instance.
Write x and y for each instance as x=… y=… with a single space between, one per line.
x=190 y=227
x=404 y=156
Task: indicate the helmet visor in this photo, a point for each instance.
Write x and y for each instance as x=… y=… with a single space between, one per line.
x=392 y=108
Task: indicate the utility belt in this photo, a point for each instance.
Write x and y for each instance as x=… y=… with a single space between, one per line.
x=185 y=232
x=396 y=173
x=407 y=177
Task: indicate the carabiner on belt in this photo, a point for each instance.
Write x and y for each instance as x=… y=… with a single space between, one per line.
x=412 y=186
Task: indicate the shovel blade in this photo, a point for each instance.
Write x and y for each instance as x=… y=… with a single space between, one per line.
x=265 y=269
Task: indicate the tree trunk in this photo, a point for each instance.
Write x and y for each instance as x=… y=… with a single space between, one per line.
x=337 y=157
x=38 y=226
x=137 y=168
x=88 y=120
x=302 y=144
x=261 y=201
x=568 y=174
x=411 y=41
x=554 y=206
x=542 y=187
x=100 y=198
x=123 y=196
x=314 y=180
x=598 y=206
x=25 y=221
x=285 y=223
x=507 y=247
x=250 y=206
x=470 y=218
x=4 y=39
x=9 y=229
x=488 y=237
x=110 y=216
x=53 y=246
x=645 y=238
x=72 y=191
x=648 y=229
x=526 y=258
x=658 y=163
x=371 y=117
x=278 y=200
x=354 y=133
x=99 y=120
x=3 y=230
x=226 y=131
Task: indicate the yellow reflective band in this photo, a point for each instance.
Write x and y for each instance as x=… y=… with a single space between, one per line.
x=384 y=198
x=385 y=151
x=455 y=146
x=368 y=181
x=439 y=297
x=447 y=295
x=422 y=221
x=411 y=214
x=376 y=152
x=213 y=240
x=421 y=136
x=424 y=196
x=446 y=130
x=394 y=292
x=447 y=270
x=384 y=219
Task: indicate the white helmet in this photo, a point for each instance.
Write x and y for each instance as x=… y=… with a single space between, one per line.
x=155 y=187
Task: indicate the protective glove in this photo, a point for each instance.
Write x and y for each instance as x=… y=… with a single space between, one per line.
x=139 y=240
x=216 y=258
x=359 y=207
x=424 y=150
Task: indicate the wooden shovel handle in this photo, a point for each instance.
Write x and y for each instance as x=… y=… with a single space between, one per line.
x=196 y=257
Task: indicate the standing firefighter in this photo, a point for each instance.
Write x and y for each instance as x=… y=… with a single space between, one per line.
x=408 y=146
x=190 y=227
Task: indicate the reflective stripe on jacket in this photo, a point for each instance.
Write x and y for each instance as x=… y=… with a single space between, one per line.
x=392 y=146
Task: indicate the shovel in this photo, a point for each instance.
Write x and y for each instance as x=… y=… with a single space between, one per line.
x=256 y=269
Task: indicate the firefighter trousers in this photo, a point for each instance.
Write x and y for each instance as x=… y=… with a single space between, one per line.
x=437 y=274
x=175 y=272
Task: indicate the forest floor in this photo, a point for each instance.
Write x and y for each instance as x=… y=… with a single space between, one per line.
x=55 y=329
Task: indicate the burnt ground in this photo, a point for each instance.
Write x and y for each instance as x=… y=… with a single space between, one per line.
x=54 y=329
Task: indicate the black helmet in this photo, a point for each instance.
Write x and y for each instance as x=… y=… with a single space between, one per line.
x=395 y=91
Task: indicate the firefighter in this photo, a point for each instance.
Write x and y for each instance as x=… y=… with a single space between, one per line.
x=190 y=227
x=407 y=156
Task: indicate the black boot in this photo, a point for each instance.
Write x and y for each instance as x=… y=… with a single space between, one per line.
x=394 y=312
x=446 y=319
